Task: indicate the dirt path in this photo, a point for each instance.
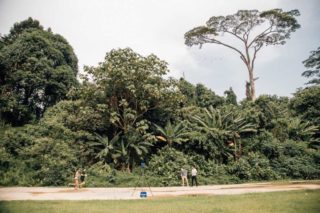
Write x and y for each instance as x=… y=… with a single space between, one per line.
x=55 y=193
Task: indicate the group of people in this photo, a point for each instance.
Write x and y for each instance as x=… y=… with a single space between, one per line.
x=80 y=175
x=184 y=176
x=79 y=178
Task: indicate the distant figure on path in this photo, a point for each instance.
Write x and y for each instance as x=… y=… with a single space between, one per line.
x=83 y=175
x=184 y=176
x=194 y=173
x=76 y=179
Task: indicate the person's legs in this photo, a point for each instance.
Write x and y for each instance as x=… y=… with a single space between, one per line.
x=195 y=178
x=185 y=179
x=192 y=180
x=76 y=184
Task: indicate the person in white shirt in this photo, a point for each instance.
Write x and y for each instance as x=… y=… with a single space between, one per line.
x=194 y=173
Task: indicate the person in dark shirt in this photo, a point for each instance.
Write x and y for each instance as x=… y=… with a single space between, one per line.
x=194 y=173
x=83 y=175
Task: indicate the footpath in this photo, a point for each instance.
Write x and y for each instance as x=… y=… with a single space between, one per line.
x=60 y=193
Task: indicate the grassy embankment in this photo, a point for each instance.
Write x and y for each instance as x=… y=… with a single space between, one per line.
x=294 y=201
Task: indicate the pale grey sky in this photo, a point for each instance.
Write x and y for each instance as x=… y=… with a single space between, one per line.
x=94 y=27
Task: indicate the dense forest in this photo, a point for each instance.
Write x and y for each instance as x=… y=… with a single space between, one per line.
x=126 y=110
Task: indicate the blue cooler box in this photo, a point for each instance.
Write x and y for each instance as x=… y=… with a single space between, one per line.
x=143 y=194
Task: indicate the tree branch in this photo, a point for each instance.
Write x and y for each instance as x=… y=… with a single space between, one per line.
x=226 y=45
x=262 y=34
x=234 y=35
x=256 y=49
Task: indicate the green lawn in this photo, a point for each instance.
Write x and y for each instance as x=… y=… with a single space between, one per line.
x=295 y=201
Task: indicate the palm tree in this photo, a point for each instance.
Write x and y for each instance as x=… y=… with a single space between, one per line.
x=127 y=151
x=299 y=130
x=225 y=127
x=172 y=133
x=104 y=147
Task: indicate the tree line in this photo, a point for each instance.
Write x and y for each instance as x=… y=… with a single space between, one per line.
x=124 y=111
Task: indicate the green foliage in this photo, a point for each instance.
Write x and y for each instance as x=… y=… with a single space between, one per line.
x=126 y=107
x=37 y=70
x=133 y=84
x=302 y=167
x=205 y=97
x=199 y=95
x=224 y=127
x=313 y=65
x=188 y=90
x=97 y=174
x=306 y=104
x=166 y=165
x=173 y=133
x=35 y=154
x=231 y=97
x=252 y=167
x=264 y=110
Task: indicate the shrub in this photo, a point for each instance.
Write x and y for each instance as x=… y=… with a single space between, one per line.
x=294 y=148
x=165 y=168
x=166 y=165
x=298 y=167
x=252 y=167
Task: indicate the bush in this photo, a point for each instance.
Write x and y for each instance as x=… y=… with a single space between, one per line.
x=294 y=148
x=32 y=157
x=165 y=168
x=298 y=167
x=252 y=167
x=166 y=165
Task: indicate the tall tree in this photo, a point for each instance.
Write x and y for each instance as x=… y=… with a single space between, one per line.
x=313 y=65
x=253 y=29
x=132 y=87
x=37 y=69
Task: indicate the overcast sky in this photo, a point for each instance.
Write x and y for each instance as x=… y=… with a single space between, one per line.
x=94 y=27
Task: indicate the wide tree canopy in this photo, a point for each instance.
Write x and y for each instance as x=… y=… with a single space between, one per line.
x=134 y=92
x=37 y=68
x=253 y=29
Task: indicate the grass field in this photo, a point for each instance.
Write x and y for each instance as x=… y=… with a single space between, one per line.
x=294 y=201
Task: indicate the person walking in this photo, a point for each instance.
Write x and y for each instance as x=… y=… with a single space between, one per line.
x=83 y=175
x=194 y=173
x=76 y=179
x=184 y=176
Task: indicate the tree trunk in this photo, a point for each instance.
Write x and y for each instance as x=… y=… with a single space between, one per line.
x=252 y=91
x=247 y=60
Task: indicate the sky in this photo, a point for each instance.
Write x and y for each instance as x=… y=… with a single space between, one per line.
x=158 y=26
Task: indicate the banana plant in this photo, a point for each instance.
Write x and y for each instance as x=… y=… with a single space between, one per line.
x=127 y=151
x=172 y=133
x=225 y=127
x=104 y=147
